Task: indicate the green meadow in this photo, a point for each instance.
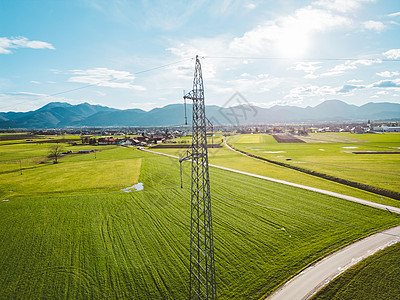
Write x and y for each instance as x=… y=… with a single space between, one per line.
x=377 y=275
x=231 y=159
x=330 y=153
x=68 y=231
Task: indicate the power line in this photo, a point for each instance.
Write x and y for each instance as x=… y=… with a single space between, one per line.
x=299 y=59
x=135 y=73
x=99 y=82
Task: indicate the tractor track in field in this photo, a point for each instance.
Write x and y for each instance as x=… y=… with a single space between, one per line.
x=80 y=275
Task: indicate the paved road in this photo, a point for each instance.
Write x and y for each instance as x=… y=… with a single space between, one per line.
x=315 y=277
x=312 y=279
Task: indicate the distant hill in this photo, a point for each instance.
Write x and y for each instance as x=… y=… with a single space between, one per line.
x=60 y=114
x=52 y=115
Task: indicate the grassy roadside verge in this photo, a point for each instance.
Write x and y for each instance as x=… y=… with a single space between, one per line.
x=373 y=278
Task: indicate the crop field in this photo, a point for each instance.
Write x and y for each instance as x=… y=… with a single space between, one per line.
x=377 y=275
x=330 y=153
x=230 y=159
x=68 y=231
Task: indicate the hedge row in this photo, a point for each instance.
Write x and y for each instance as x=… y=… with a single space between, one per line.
x=358 y=185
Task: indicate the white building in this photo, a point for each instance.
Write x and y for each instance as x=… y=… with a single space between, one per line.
x=387 y=129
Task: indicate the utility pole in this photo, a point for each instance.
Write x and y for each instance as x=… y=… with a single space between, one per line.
x=202 y=267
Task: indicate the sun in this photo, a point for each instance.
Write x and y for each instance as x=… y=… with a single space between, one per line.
x=292 y=43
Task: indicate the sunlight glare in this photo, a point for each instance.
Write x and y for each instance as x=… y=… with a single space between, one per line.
x=293 y=43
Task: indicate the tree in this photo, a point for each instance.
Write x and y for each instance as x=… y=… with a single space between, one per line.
x=55 y=152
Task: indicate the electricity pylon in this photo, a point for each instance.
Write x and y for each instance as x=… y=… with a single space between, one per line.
x=202 y=267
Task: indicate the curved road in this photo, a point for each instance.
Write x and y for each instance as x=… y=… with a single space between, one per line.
x=313 y=278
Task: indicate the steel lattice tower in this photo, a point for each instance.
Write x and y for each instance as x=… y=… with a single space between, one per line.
x=202 y=268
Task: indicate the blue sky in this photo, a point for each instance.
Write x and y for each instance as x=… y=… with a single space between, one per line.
x=286 y=52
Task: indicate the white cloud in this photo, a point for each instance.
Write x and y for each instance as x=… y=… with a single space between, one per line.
x=254 y=84
x=321 y=91
x=388 y=74
x=25 y=101
x=350 y=65
x=338 y=70
x=392 y=54
x=106 y=78
x=355 y=80
x=374 y=25
x=30 y=94
x=394 y=14
x=202 y=47
x=21 y=42
x=277 y=102
x=250 y=6
x=293 y=31
x=310 y=91
x=387 y=84
x=35 y=82
x=342 y=6
x=347 y=88
x=308 y=67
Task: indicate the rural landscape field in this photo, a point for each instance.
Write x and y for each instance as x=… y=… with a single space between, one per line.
x=71 y=223
x=202 y=150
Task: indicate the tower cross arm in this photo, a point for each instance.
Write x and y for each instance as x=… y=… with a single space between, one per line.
x=187 y=155
x=192 y=95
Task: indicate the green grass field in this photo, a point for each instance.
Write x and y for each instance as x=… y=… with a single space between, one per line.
x=329 y=153
x=374 y=278
x=228 y=158
x=68 y=231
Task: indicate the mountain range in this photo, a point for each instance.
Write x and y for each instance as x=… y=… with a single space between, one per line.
x=61 y=115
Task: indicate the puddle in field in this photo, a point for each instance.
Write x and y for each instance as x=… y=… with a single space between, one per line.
x=349 y=147
x=137 y=187
x=321 y=149
x=274 y=151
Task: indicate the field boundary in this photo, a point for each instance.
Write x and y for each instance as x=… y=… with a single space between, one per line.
x=361 y=186
x=305 y=187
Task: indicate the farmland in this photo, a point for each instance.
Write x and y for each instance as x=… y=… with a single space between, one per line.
x=330 y=153
x=369 y=277
x=228 y=158
x=67 y=231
